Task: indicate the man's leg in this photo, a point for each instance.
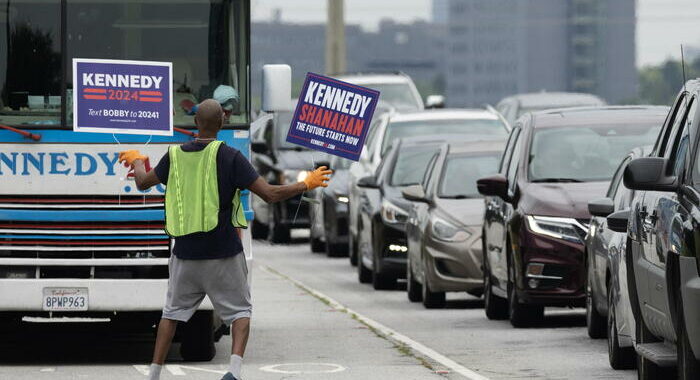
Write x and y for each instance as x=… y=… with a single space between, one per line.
x=240 y=329
x=166 y=332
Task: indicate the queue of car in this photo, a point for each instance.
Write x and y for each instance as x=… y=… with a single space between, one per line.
x=547 y=200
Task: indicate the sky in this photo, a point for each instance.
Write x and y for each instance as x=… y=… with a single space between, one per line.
x=662 y=25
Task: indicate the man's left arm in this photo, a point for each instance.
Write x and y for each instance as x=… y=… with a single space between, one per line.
x=144 y=180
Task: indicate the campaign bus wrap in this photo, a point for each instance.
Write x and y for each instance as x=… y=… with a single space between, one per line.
x=333 y=116
x=116 y=96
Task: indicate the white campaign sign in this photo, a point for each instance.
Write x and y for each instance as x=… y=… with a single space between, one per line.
x=75 y=169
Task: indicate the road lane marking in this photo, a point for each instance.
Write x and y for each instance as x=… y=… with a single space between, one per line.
x=388 y=332
x=323 y=368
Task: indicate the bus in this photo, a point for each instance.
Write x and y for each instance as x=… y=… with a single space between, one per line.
x=78 y=242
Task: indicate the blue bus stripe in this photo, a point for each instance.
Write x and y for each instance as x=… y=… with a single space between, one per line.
x=82 y=215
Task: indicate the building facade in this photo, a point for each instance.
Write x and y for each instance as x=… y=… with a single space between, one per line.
x=496 y=48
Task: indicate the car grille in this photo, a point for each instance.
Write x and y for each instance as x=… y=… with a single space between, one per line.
x=83 y=237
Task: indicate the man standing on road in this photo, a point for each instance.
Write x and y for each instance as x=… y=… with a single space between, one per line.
x=202 y=208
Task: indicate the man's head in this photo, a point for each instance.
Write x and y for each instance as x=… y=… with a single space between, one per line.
x=209 y=118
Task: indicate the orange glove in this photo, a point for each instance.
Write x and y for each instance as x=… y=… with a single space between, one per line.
x=317 y=178
x=129 y=156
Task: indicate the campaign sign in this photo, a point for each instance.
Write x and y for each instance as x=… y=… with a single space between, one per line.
x=333 y=116
x=114 y=96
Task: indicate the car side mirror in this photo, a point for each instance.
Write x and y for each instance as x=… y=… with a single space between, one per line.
x=601 y=207
x=259 y=147
x=617 y=221
x=493 y=186
x=649 y=173
x=414 y=193
x=368 y=182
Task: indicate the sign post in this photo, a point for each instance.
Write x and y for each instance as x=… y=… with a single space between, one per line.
x=333 y=116
x=116 y=96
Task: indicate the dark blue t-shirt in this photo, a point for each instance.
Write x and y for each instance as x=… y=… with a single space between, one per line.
x=233 y=171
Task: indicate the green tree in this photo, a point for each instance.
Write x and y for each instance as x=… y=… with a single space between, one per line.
x=660 y=84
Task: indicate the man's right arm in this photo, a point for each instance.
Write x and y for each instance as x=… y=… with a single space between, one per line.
x=275 y=193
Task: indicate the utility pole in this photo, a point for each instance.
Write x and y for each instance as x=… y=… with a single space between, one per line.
x=335 y=38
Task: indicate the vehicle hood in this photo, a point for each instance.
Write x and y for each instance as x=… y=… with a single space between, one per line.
x=468 y=212
x=560 y=199
x=293 y=159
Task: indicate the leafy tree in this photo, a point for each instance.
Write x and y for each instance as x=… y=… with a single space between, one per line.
x=660 y=84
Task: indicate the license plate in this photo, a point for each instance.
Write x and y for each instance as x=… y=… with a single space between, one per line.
x=65 y=299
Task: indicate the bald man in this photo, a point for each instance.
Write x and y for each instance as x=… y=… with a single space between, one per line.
x=209 y=262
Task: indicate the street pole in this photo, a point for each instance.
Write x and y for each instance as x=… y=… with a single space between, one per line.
x=335 y=38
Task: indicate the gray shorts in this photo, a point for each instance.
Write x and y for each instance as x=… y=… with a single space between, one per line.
x=225 y=281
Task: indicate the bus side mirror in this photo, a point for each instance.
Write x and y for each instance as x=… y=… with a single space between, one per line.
x=276 y=88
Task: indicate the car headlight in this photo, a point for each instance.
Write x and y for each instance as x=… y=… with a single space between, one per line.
x=392 y=213
x=560 y=228
x=293 y=176
x=446 y=231
x=342 y=198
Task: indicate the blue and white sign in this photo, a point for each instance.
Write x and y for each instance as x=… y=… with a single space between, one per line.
x=115 y=96
x=333 y=116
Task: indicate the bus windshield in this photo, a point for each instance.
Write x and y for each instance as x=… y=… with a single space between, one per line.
x=205 y=40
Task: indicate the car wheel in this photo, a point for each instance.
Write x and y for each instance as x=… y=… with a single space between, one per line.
x=197 y=337
x=619 y=357
x=596 y=325
x=413 y=287
x=352 y=250
x=364 y=275
x=688 y=365
x=317 y=245
x=431 y=299
x=496 y=308
x=382 y=281
x=259 y=231
x=336 y=249
x=521 y=315
x=278 y=233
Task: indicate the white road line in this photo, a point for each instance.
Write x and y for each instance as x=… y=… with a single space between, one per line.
x=390 y=333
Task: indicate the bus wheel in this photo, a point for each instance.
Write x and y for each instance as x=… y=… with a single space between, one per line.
x=197 y=339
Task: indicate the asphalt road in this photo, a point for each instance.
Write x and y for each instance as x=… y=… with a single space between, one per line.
x=313 y=320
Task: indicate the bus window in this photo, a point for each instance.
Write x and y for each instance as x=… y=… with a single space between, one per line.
x=204 y=39
x=30 y=62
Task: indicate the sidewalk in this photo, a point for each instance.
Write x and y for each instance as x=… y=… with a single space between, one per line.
x=292 y=326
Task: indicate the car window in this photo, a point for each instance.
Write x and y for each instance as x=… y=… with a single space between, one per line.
x=283 y=120
x=584 y=153
x=371 y=135
x=679 y=151
x=513 y=164
x=505 y=158
x=672 y=124
x=440 y=127
x=411 y=164
x=617 y=177
x=399 y=95
x=429 y=173
x=460 y=172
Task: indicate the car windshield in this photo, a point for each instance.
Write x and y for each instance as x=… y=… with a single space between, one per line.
x=460 y=172
x=399 y=95
x=282 y=121
x=584 y=153
x=204 y=39
x=440 y=127
x=524 y=110
x=411 y=165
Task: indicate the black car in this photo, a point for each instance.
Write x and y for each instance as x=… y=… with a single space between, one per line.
x=537 y=207
x=663 y=244
x=280 y=162
x=383 y=212
x=608 y=310
x=329 y=212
